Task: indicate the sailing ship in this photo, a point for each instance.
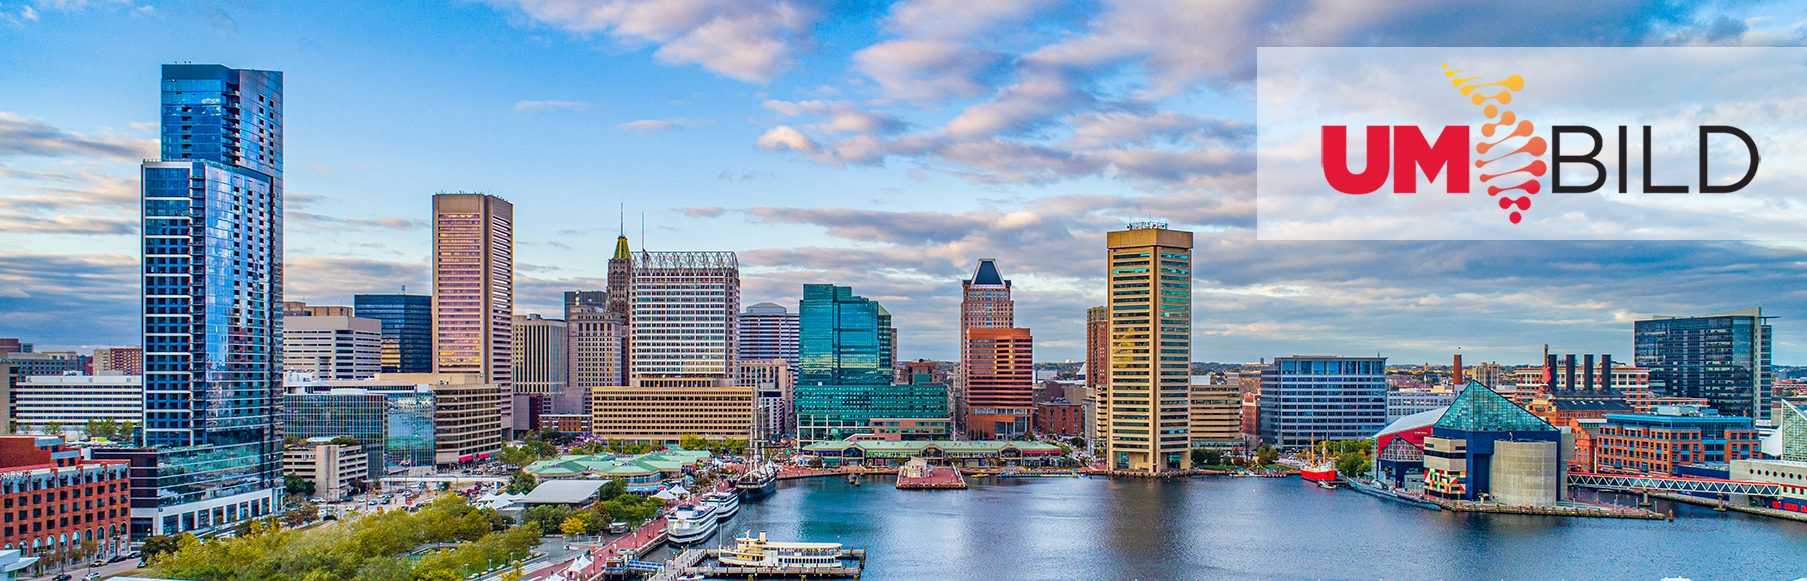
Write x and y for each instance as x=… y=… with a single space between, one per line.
x=758 y=482
x=758 y=552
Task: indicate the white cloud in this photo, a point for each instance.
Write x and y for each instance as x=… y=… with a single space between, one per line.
x=750 y=40
x=785 y=137
x=550 y=105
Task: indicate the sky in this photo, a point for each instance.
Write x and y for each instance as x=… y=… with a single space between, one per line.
x=882 y=145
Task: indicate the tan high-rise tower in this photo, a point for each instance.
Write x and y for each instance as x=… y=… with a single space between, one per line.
x=473 y=289
x=1144 y=405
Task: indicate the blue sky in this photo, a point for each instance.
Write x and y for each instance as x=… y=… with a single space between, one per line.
x=881 y=145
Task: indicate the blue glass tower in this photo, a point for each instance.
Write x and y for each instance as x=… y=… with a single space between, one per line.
x=407 y=329
x=1723 y=358
x=212 y=255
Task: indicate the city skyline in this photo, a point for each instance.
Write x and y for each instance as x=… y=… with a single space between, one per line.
x=963 y=164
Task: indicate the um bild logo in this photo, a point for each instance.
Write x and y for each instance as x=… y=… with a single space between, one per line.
x=1408 y=151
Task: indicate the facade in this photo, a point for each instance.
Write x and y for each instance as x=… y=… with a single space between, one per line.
x=1489 y=374
x=1059 y=417
x=684 y=309
x=596 y=342
x=118 y=361
x=1673 y=436
x=774 y=397
x=332 y=467
x=332 y=347
x=75 y=400
x=667 y=414
x=1000 y=382
x=12 y=345
x=212 y=282
x=985 y=303
x=54 y=500
x=846 y=375
x=355 y=413
x=1306 y=399
x=969 y=454
x=1405 y=402
x=1097 y=365
x=769 y=331
x=407 y=322
x=1722 y=357
x=1216 y=414
x=434 y=418
x=578 y=301
x=1790 y=474
x=28 y=364
x=541 y=366
x=473 y=292
x=1143 y=408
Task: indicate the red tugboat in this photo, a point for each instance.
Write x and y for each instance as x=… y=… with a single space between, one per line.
x=1318 y=466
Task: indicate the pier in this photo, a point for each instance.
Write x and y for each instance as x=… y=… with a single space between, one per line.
x=691 y=563
x=918 y=475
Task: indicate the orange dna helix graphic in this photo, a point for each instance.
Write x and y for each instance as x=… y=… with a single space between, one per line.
x=1499 y=170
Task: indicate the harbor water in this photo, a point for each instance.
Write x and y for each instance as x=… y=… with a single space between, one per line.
x=1098 y=528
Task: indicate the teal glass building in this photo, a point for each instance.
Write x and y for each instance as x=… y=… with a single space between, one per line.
x=362 y=416
x=212 y=304
x=847 y=353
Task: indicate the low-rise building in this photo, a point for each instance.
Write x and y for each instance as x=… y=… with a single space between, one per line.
x=964 y=453
x=71 y=401
x=53 y=500
x=1059 y=417
x=1408 y=401
x=667 y=414
x=1670 y=437
x=640 y=473
x=1214 y=415
x=331 y=466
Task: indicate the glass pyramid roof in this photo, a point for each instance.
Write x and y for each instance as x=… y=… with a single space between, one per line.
x=1479 y=409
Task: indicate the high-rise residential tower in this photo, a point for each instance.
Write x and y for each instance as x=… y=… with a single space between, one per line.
x=984 y=304
x=473 y=290
x=212 y=255
x=846 y=351
x=1723 y=358
x=769 y=331
x=683 y=319
x=1144 y=405
x=540 y=366
x=407 y=329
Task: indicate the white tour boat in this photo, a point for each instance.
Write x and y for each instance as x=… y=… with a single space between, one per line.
x=758 y=552
x=692 y=523
x=727 y=504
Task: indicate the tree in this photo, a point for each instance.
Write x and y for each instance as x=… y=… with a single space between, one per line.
x=129 y=430
x=692 y=442
x=300 y=515
x=53 y=428
x=295 y=485
x=614 y=488
x=521 y=483
x=344 y=441
x=572 y=526
x=358 y=486
x=1076 y=441
x=1266 y=455
x=547 y=517
x=157 y=546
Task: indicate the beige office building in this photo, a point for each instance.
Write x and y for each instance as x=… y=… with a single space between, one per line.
x=332 y=347
x=473 y=291
x=1144 y=407
x=598 y=337
x=540 y=352
x=465 y=426
x=1216 y=414
x=331 y=466
x=666 y=414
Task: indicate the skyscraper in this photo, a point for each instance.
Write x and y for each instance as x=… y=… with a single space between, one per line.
x=598 y=339
x=621 y=276
x=1722 y=357
x=684 y=318
x=407 y=329
x=539 y=359
x=769 y=331
x=1000 y=383
x=580 y=300
x=1097 y=365
x=984 y=304
x=1144 y=405
x=473 y=290
x=846 y=353
x=212 y=250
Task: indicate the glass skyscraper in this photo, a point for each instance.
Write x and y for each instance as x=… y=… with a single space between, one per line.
x=407 y=329
x=847 y=351
x=212 y=255
x=1306 y=399
x=1723 y=358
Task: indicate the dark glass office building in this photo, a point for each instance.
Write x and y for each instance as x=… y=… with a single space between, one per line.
x=212 y=256
x=847 y=350
x=407 y=329
x=1722 y=358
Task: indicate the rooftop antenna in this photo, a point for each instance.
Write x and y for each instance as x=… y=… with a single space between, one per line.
x=624 y=220
x=643 y=231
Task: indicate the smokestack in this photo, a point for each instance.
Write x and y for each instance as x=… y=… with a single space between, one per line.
x=1549 y=370
x=1458 y=377
x=1587 y=371
x=1568 y=381
x=1605 y=371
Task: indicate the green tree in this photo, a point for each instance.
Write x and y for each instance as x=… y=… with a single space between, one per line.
x=53 y=428
x=521 y=483
x=344 y=441
x=1266 y=455
x=295 y=485
x=129 y=431
x=692 y=442
x=1076 y=441
x=160 y=545
x=546 y=517
x=615 y=487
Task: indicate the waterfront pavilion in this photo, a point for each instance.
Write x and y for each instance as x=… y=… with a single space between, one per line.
x=642 y=474
x=965 y=453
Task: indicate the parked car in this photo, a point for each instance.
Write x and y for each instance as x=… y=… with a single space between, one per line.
x=62 y=577
x=91 y=576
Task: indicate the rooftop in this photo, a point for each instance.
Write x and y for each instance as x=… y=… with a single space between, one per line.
x=563 y=492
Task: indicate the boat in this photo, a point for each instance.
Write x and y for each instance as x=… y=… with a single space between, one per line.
x=1319 y=466
x=1326 y=485
x=758 y=552
x=758 y=482
x=692 y=523
x=727 y=504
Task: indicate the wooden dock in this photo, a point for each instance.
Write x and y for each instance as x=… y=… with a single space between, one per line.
x=935 y=478
x=690 y=563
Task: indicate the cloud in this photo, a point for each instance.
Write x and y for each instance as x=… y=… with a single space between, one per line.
x=67 y=202
x=931 y=70
x=67 y=225
x=324 y=223
x=784 y=137
x=69 y=299
x=550 y=105
x=650 y=126
x=747 y=40
x=842 y=117
x=318 y=278
x=709 y=212
x=28 y=137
